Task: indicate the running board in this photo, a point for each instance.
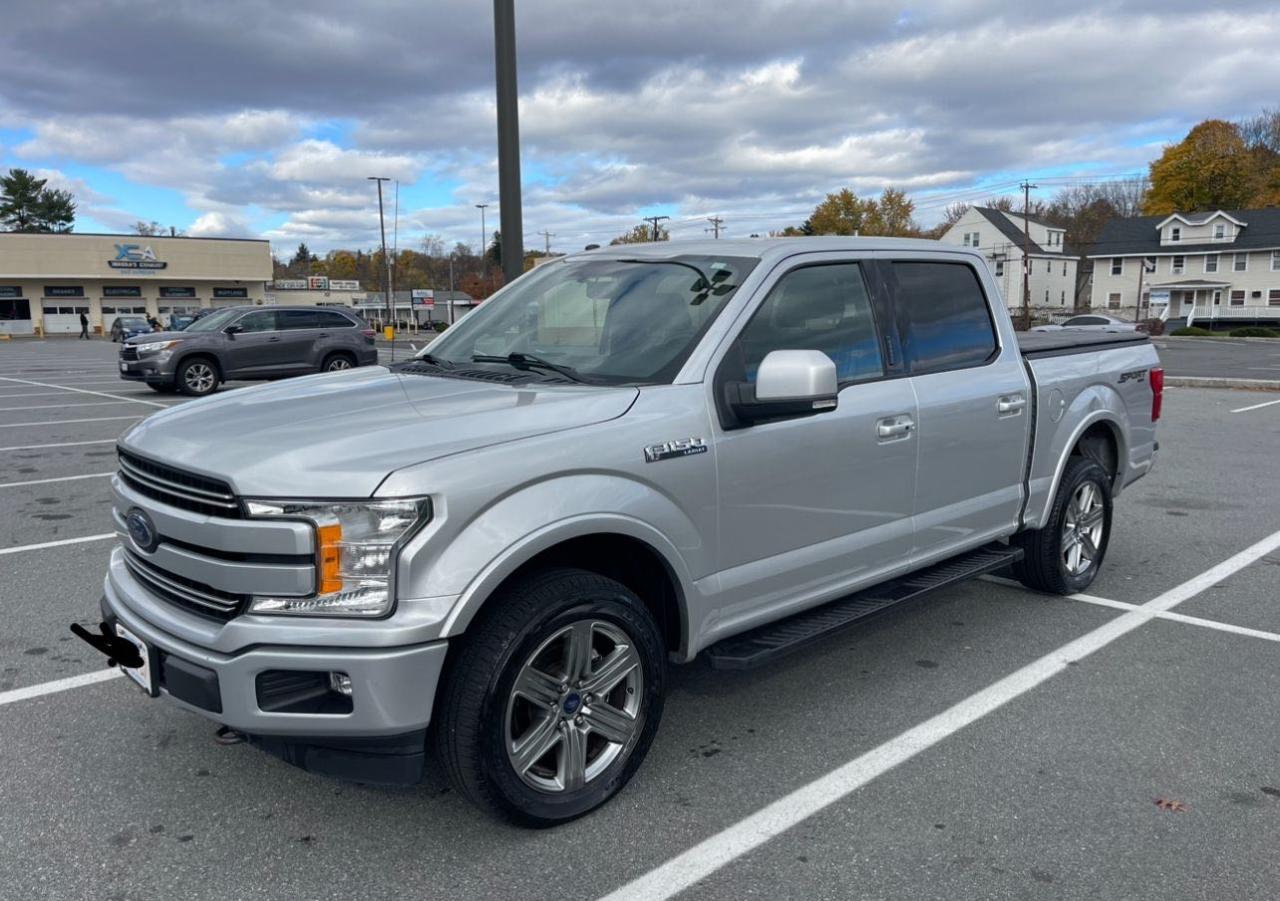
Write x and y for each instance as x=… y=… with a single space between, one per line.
x=769 y=642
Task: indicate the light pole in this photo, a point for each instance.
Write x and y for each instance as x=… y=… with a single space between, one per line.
x=484 y=238
x=504 y=54
x=386 y=261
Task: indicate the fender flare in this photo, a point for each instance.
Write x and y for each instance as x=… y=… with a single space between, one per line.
x=1104 y=415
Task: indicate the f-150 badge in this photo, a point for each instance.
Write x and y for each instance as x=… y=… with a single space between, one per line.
x=681 y=447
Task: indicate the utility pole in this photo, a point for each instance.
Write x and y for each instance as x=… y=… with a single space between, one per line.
x=548 y=236
x=1026 y=253
x=716 y=224
x=386 y=279
x=484 y=236
x=1137 y=304
x=504 y=51
x=655 y=220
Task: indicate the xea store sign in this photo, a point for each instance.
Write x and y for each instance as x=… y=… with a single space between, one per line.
x=135 y=256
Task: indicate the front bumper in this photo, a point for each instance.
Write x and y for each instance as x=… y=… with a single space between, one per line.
x=380 y=739
x=144 y=370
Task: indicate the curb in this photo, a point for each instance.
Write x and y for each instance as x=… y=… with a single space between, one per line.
x=1212 y=338
x=1196 y=381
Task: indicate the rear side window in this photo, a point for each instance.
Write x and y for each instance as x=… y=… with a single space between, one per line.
x=944 y=317
x=822 y=308
x=313 y=319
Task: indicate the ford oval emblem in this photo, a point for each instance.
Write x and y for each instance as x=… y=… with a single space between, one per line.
x=142 y=530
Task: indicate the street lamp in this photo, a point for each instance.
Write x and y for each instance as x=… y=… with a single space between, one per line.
x=484 y=236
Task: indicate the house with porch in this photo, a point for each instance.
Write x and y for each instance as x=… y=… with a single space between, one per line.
x=1001 y=238
x=1208 y=268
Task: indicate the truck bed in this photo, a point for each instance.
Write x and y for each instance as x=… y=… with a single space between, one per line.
x=1073 y=341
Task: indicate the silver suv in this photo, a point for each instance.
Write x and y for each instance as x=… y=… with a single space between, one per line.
x=248 y=343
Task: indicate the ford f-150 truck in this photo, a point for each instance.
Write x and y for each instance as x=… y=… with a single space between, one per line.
x=483 y=559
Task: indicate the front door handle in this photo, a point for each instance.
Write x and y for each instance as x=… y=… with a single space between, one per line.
x=894 y=428
x=1010 y=404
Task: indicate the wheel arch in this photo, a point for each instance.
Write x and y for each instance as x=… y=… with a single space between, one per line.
x=203 y=354
x=1099 y=435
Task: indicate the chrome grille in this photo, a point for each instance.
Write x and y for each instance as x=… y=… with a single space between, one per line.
x=128 y=352
x=177 y=488
x=188 y=593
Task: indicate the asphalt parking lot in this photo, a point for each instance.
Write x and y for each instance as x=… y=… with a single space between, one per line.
x=987 y=743
x=1220 y=357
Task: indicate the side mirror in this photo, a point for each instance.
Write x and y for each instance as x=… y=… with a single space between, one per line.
x=233 y=330
x=789 y=383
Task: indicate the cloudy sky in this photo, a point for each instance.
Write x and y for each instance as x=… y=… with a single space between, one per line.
x=264 y=117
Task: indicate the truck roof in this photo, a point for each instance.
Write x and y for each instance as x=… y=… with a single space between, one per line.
x=768 y=249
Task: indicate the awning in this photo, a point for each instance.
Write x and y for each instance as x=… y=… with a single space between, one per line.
x=1195 y=284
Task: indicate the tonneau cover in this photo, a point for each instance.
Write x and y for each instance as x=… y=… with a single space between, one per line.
x=1073 y=341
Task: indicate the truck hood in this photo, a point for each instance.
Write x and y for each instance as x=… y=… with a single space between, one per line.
x=341 y=434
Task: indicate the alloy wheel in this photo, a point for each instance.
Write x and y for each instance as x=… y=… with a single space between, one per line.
x=574 y=707
x=1082 y=528
x=200 y=378
x=337 y=364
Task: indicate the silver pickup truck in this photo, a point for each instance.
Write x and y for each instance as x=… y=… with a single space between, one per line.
x=484 y=558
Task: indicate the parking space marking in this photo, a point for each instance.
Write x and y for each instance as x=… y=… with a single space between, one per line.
x=1181 y=618
x=61 y=542
x=14 y=425
x=1269 y=403
x=721 y=849
x=150 y=403
x=91 y=475
x=18 y=447
x=88 y=403
x=5 y=395
x=48 y=688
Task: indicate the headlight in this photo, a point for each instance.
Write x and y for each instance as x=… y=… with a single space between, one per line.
x=153 y=346
x=356 y=548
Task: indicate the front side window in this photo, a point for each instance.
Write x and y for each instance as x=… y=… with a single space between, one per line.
x=824 y=308
x=610 y=320
x=258 y=321
x=944 y=316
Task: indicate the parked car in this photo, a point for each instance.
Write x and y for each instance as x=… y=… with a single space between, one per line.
x=1095 y=322
x=123 y=327
x=248 y=343
x=627 y=457
x=179 y=322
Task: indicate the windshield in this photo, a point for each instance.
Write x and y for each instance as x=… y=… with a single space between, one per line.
x=214 y=321
x=608 y=320
x=134 y=323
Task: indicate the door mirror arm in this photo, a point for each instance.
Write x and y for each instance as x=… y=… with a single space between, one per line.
x=232 y=330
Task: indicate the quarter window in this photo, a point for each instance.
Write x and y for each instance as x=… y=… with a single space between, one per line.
x=944 y=315
x=824 y=308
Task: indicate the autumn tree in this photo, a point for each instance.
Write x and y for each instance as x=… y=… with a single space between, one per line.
x=1211 y=168
x=844 y=213
x=641 y=234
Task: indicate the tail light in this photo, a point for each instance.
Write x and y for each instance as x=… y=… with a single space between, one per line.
x=1157 y=392
x=368 y=332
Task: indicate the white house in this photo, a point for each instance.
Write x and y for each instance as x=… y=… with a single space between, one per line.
x=1000 y=237
x=1198 y=267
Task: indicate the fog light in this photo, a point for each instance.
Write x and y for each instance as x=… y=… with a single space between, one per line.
x=341 y=683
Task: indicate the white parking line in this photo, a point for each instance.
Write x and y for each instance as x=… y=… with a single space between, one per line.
x=726 y=846
x=83 y=391
x=6 y=395
x=62 y=542
x=88 y=403
x=1182 y=618
x=18 y=447
x=1269 y=403
x=14 y=425
x=48 y=688
x=92 y=475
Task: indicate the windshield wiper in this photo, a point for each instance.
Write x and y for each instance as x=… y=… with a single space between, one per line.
x=529 y=361
x=433 y=361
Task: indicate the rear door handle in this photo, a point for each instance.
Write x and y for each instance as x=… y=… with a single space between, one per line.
x=275 y=338
x=894 y=428
x=1010 y=404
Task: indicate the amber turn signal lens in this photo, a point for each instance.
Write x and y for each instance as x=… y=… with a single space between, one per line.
x=330 y=558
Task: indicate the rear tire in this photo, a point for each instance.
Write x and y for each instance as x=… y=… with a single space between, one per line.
x=337 y=362
x=553 y=699
x=1064 y=557
x=197 y=377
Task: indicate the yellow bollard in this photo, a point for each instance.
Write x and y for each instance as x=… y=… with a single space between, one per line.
x=389 y=332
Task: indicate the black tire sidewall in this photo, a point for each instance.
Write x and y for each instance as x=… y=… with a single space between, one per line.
x=523 y=803
x=1079 y=471
x=331 y=358
x=180 y=377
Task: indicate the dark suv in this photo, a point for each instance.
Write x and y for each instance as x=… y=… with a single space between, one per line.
x=248 y=343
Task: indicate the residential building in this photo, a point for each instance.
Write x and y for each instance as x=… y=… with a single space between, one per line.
x=1053 y=267
x=48 y=280
x=1197 y=268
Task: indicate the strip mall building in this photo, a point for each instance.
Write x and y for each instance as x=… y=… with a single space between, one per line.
x=47 y=281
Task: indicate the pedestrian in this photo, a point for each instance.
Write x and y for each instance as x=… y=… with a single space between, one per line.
x=84 y=326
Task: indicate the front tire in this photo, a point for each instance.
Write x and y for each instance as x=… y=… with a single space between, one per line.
x=162 y=387
x=197 y=377
x=553 y=699
x=1064 y=557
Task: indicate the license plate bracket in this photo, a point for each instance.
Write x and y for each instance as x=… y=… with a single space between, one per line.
x=144 y=676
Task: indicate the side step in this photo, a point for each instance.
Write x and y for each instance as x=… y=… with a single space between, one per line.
x=773 y=640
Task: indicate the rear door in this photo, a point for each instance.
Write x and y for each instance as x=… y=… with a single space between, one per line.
x=973 y=405
x=812 y=505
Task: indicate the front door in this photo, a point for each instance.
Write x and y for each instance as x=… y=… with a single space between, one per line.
x=974 y=407
x=813 y=506
x=257 y=348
